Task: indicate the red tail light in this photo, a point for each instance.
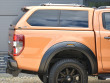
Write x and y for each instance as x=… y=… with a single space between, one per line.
x=18 y=44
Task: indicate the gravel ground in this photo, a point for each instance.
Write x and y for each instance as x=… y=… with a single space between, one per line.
x=30 y=78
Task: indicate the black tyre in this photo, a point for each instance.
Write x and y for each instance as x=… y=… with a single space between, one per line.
x=40 y=77
x=68 y=71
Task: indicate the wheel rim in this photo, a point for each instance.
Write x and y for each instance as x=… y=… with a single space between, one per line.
x=69 y=75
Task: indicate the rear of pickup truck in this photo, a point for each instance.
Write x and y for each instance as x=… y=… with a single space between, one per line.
x=15 y=47
x=15 y=44
x=12 y=66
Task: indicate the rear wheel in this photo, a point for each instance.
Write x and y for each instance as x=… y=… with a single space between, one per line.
x=68 y=71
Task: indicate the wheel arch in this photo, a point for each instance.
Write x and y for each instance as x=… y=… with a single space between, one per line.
x=66 y=45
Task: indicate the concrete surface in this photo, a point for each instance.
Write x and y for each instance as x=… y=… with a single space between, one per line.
x=30 y=78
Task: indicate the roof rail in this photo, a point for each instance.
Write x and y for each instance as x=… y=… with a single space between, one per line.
x=104 y=7
x=74 y=5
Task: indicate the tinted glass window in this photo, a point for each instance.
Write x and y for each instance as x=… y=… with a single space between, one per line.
x=106 y=20
x=44 y=18
x=71 y=18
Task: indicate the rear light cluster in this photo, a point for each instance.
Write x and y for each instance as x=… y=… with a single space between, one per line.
x=18 y=44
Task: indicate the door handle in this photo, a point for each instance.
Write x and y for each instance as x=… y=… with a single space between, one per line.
x=106 y=37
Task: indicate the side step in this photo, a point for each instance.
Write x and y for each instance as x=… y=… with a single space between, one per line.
x=104 y=76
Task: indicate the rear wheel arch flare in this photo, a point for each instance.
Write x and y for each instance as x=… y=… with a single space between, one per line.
x=66 y=45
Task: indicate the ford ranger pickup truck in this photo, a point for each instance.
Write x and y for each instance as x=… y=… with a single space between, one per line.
x=63 y=43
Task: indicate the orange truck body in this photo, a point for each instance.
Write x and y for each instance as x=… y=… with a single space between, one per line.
x=38 y=39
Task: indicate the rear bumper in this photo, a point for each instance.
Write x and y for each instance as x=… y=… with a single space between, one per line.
x=12 y=66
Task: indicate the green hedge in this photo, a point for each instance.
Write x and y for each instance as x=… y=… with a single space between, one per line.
x=97 y=4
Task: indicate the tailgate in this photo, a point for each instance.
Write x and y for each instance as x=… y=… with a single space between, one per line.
x=10 y=41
